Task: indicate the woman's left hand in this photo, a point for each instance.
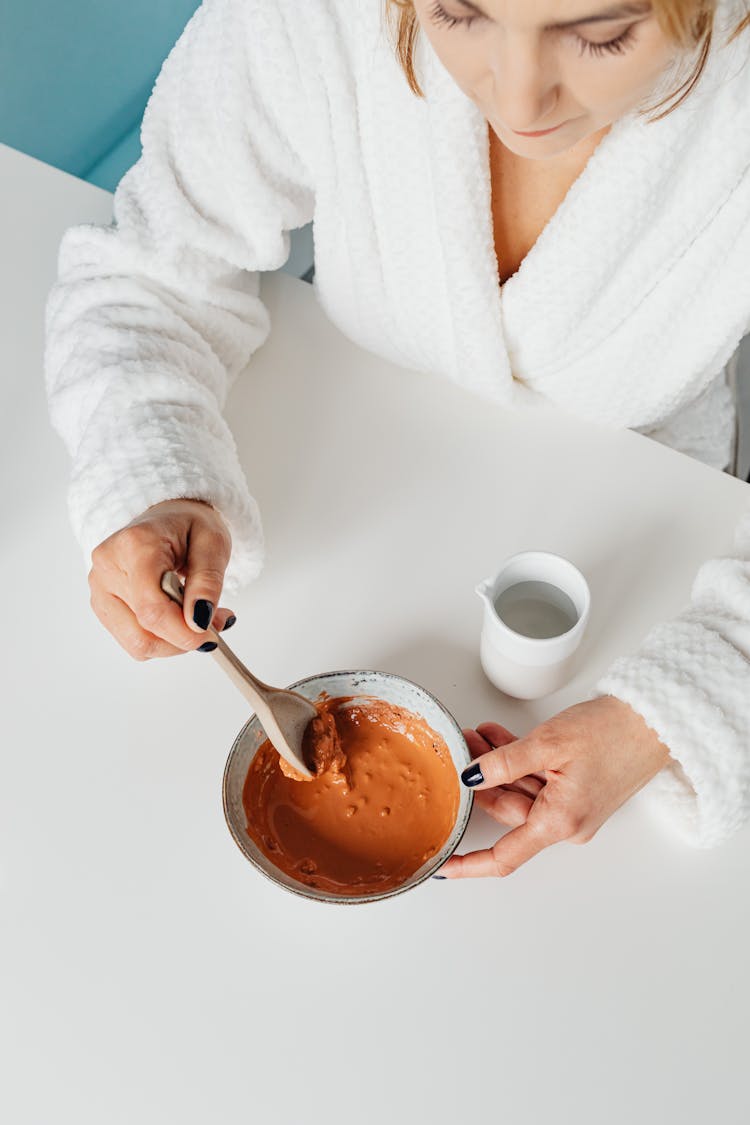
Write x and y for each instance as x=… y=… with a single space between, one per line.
x=560 y=782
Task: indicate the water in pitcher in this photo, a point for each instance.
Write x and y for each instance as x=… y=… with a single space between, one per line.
x=536 y=609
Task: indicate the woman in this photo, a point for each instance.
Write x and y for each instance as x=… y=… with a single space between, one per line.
x=504 y=213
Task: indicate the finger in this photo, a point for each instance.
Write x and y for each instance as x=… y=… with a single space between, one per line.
x=119 y=620
x=223 y=619
x=505 y=857
x=477 y=745
x=530 y=786
x=154 y=610
x=479 y=741
x=507 y=764
x=495 y=734
x=506 y=806
x=207 y=558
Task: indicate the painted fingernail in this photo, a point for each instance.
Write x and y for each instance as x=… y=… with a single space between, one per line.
x=203 y=611
x=440 y=876
x=472 y=775
x=228 y=623
x=209 y=646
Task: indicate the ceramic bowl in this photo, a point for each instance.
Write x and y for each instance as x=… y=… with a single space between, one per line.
x=358 y=685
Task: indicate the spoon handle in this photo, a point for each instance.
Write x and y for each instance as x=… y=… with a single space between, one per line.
x=267 y=702
x=253 y=689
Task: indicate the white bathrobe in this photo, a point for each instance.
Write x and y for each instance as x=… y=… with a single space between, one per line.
x=272 y=113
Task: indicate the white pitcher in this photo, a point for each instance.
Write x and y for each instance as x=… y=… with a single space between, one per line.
x=523 y=666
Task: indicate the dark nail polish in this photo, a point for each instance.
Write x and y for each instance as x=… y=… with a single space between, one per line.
x=472 y=775
x=228 y=623
x=209 y=646
x=440 y=876
x=203 y=611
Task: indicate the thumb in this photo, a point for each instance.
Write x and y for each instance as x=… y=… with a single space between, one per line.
x=506 y=764
x=208 y=552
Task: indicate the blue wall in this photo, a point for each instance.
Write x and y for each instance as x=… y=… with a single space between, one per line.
x=75 y=76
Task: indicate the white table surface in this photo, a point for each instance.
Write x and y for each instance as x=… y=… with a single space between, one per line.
x=147 y=973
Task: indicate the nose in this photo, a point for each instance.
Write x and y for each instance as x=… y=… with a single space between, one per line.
x=525 y=89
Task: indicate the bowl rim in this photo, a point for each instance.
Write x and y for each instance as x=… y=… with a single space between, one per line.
x=326 y=896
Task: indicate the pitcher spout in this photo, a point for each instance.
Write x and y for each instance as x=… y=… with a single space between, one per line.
x=483 y=590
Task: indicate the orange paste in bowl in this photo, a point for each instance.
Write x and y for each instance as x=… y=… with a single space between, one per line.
x=383 y=800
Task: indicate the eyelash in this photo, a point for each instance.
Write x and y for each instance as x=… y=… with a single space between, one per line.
x=615 y=46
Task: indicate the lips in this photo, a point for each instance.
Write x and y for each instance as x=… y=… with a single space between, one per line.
x=539 y=132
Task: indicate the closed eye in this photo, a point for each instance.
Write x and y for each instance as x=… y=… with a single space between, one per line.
x=616 y=46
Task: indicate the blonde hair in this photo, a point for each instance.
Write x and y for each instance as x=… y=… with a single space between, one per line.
x=689 y=23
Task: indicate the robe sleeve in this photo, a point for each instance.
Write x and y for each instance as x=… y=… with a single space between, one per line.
x=152 y=318
x=690 y=680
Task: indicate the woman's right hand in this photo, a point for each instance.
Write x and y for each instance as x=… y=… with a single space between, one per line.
x=188 y=536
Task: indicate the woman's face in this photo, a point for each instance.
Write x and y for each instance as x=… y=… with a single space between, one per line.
x=573 y=66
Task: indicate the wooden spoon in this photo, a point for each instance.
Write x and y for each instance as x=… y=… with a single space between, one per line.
x=284 y=715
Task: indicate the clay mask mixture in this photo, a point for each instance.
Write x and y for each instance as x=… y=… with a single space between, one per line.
x=383 y=800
